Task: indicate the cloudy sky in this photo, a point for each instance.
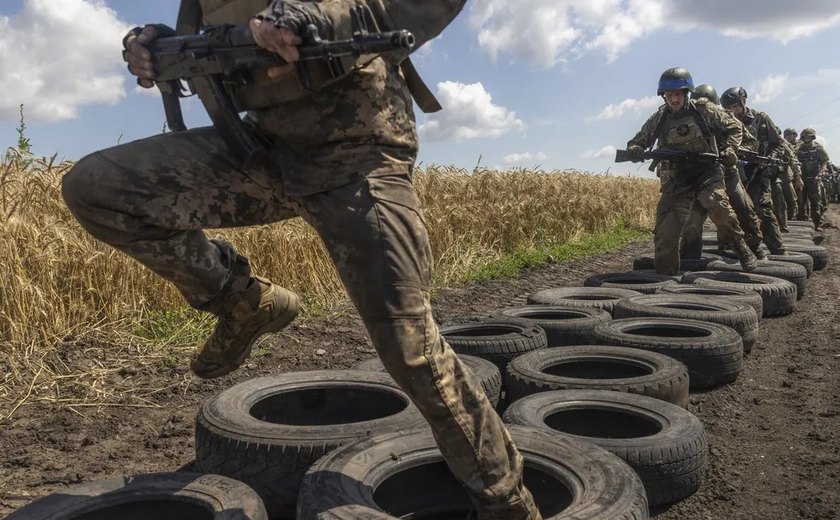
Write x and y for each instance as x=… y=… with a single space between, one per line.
x=549 y=83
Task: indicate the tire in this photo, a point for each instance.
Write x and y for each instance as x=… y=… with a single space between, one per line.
x=593 y=297
x=818 y=253
x=665 y=444
x=792 y=257
x=729 y=294
x=162 y=496
x=723 y=253
x=485 y=371
x=807 y=224
x=713 y=353
x=495 y=339
x=562 y=325
x=645 y=262
x=598 y=367
x=778 y=296
x=267 y=431
x=739 y=316
x=793 y=273
x=403 y=475
x=644 y=282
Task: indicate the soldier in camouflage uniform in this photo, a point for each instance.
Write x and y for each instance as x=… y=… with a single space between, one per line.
x=692 y=242
x=341 y=158
x=814 y=160
x=758 y=177
x=791 y=136
x=784 y=187
x=684 y=124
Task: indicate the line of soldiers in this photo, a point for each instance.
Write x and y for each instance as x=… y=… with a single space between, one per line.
x=756 y=181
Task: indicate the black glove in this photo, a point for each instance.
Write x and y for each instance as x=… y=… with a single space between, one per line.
x=728 y=157
x=636 y=152
x=298 y=17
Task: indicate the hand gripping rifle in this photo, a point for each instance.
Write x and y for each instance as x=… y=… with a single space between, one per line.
x=221 y=57
x=669 y=155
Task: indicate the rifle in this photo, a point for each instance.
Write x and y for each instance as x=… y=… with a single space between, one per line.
x=221 y=57
x=669 y=155
x=751 y=157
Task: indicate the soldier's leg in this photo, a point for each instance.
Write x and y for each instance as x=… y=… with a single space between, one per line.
x=377 y=238
x=779 y=205
x=790 y=199
x=713 y=198
x=691 y=245
x=151 y=199
x=759 y=191
x=813 y=194
x=672 y=214
x=743 y=208
x=801 y=202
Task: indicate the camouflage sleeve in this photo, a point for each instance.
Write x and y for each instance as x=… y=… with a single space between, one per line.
x=824 y=159
x=645 y=138
x=774 y=138
x=728 y=131
x=748 y=140
x=792 y=161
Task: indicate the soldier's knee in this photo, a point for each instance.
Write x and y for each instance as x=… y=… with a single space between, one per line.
x=77 y=185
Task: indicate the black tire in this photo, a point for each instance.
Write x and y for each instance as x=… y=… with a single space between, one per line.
x=161 y=496
x=593 y=297
x=713 y=353
x=495 y=339
x=818 y=253
x=664 y=443
x=599 y=367
x=807 y=224
x=645 y=262
x=729 y=294
x=793 y=273
x=778 y=296
x=642 y=281
x=398 y=474
x=562 y=325
x=739 y=316
x=485 y=371
x=793 y=257
x=267 y=431
x=723 y=253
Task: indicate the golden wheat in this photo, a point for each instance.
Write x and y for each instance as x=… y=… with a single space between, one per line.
x=71 y=307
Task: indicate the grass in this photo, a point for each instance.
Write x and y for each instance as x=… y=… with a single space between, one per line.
x=74 y=313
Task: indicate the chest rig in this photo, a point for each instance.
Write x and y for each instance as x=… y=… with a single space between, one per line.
x=809 y=160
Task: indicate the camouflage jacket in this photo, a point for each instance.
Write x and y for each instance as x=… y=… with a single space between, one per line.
x=765 y=131
x=792 y=161
x=363 y=124
x=812 y=157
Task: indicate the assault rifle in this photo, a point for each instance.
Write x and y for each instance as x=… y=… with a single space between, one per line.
x=751 y=157
x=669 y=155
x=221 y=56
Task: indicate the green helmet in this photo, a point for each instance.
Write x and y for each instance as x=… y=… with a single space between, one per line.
x=732 y=96
x=706 y=91
x=790 y=131
x=808 y=132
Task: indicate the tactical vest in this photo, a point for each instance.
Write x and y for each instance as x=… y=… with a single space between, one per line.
x=686 y=131
x=759 y=128
x=809 y=160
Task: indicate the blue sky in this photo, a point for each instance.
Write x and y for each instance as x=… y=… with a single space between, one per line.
x=551 y=83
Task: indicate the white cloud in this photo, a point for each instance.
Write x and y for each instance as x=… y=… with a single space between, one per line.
x=468 y=113
x=607 y=152
x=631 y=105
x=769 y=88
x=52 y=66
x=526 y=158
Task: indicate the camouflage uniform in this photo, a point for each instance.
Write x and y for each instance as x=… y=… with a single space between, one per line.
x=340 y=158
x=683 y=183
x=784 y=194
x=759 y=178
x=692 y=242
x=814 y=160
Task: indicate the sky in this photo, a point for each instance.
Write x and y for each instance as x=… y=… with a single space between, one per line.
x=550 y=84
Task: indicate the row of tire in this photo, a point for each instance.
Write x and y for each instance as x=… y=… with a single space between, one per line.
x=593 y=381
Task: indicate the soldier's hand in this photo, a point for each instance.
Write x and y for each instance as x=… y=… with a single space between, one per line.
x=138 y=57
x=279 y=40
x=799 y=184
x=636 y=152
x=728 y=157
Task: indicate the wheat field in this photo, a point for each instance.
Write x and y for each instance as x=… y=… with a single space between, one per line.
x=61 y=290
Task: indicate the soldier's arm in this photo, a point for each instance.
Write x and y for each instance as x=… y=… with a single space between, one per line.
x=775 y=147
x=645 y=137
x=728 y=130
x=824 y=159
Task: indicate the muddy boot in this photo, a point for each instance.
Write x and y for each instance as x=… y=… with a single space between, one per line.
x=754 y=243
x=746 y=257
x=265 y=308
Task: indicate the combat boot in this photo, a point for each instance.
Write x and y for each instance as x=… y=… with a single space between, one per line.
x=265 y=308
x=746 y=257
x=754 y=243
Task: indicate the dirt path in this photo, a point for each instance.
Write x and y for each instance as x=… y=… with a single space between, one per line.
x=774 y=434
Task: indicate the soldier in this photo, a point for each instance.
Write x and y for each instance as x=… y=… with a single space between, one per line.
x=784 y=185
x=814 y=160
x=689 y=125
x=759 y=177
x=341 y=155
x=692 y=243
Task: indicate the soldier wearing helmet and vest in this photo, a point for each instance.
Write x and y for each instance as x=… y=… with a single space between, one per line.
x=341 y=150
x=759 y=177
x=692 y=243
x=685 y=124
x=814 y=162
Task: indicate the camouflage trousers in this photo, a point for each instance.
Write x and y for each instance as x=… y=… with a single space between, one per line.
x=673 y=213
x=152 y=199
x=761 y=195
x=811 y=194
x=692 y=239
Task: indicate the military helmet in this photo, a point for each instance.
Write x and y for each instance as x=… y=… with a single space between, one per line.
x=790 y=131
x=808 y=132
x=732 y=96
x=706 y=91
x=675 y=78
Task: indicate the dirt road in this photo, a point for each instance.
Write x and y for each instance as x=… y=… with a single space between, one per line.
x=774 y=434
